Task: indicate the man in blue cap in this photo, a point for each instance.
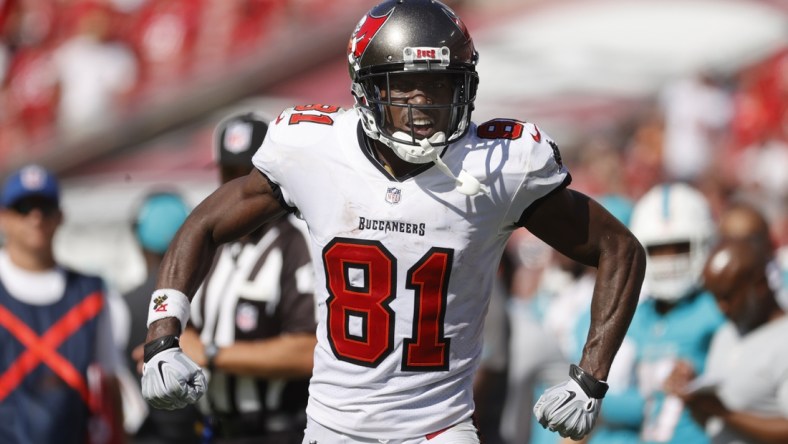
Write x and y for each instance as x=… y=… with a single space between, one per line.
x=54 y=325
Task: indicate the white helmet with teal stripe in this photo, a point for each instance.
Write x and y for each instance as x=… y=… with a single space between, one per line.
x=674 y=223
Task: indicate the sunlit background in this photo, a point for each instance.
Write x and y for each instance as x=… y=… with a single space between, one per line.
x=120 y=97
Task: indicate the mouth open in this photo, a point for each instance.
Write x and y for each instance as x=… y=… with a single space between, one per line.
x=423 y=127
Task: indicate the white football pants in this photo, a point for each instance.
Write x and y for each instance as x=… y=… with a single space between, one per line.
x=462 y=433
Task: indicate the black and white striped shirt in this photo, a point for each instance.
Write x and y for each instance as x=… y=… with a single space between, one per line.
x=259 y=288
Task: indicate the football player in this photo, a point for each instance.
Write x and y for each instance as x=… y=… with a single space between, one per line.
x=409 y=205
x=676 y=320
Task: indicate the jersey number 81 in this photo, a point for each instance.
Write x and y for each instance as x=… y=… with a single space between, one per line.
x=361 y=281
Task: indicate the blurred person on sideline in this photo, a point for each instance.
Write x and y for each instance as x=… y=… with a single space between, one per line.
x=642 y=154
x=255 y=316
x=165 y=34
x=409 y=205
x=31 y=86
x=760 y=170
x=676 y=319
x=696 y=112
x=96 y=72
x=156 y=219
x=743 y=221
x=59 y=360
x=742 y=396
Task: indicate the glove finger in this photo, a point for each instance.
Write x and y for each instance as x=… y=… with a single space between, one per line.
x=175 y=384
x=543 y=415
x=195 y=388
x=545 y=404
x=547 y=414
x=158 y=403
x=198 y=380
x=149 y=388
x=579 y=432
x=154 y=393
x=560 y=422
x=539 y=408
x=167 y=392
x=576 y=425
x=170 y=405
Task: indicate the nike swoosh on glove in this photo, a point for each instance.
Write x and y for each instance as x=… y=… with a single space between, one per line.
x=567 y=409
x=170 y=380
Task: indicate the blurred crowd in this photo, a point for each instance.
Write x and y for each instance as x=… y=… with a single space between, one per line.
x=725 y=134
x=70 y=67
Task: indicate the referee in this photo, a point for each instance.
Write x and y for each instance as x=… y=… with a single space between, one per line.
x=253 y=318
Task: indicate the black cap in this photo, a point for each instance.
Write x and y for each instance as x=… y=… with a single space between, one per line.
x=237 y=139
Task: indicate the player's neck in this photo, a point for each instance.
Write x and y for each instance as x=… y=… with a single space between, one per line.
x=390 y=161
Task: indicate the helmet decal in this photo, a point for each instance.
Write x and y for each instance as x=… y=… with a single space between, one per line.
x=365 y=32
x=457 y=21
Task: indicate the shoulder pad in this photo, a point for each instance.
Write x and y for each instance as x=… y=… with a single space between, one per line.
x=522 y=134
x=304 y=124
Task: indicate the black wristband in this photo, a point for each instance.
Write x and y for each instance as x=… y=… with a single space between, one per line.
x=158 y=345
x=592 y=386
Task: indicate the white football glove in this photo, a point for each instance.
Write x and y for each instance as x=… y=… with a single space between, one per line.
x=571 y=408
x=170 y=380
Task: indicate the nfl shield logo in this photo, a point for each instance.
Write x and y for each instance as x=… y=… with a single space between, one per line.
x=238 y=137
x=33 y=178
x=393 y=195
x=246 y=316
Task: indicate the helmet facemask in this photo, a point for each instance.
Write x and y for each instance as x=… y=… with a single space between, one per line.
x=674 y=275
x=447 y=106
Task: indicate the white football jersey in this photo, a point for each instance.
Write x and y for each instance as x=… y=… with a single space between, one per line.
x=404 y=268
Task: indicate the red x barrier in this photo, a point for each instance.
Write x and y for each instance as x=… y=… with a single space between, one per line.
x=44 y=348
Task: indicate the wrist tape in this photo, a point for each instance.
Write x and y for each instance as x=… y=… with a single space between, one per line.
x=592 y=386
x=168 y=303
x=157 y=346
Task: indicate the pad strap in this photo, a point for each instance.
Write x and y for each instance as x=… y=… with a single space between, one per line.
x=158 y=345
x=592 y=386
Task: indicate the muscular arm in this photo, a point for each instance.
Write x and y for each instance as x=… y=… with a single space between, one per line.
x=234 y=209
x=581 y=229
